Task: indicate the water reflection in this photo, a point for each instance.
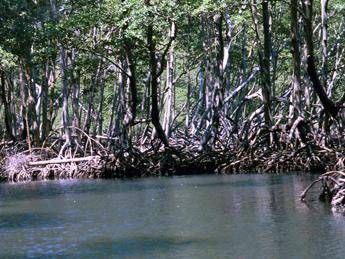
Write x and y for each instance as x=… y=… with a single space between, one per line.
x=139 y=246
x=242 y=216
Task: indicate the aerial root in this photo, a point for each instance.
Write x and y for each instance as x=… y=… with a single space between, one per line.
x=332 y=189
x=87 y=157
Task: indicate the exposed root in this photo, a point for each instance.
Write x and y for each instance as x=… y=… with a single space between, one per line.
x=88 y=157
x=332 y=189
x=53 y=162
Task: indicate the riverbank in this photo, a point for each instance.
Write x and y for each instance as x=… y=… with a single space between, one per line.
x=44 y=163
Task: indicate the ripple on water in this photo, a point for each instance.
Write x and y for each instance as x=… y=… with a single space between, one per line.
x=242 y=216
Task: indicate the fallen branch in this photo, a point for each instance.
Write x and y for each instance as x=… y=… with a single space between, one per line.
x=63 y=161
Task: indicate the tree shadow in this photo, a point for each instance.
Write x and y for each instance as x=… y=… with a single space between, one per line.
x=140 y=245
x=28 y=220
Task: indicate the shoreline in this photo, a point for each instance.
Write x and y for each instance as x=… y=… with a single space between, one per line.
x=42 y=165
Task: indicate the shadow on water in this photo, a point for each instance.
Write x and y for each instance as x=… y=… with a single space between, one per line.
x=50 y=190
x=128 y=247
x=237 y=184
x=18 y=255
x=27 y=220
x=53 y=189
x=135 y=246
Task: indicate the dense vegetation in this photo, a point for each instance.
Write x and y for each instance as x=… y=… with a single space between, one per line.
x=174 y=85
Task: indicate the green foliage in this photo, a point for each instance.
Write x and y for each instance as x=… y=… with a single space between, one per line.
x=7 y=60
x=96 y=35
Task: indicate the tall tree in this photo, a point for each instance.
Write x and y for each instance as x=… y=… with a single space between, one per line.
x=327 y=103
x=295 y=97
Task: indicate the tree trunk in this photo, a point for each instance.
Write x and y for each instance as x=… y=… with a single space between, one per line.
x=327 y=103
x=7 y=106
x=188 y=101
x=265 y=64
x=131 y=113
x=25 y=134
x=295 y=97
x=218 y=71
x=324 y=39
x=65 y=112
x=169 y=92
x=154 y=82
x=45 y=125
x=75 y=98
x=65 y=91
x=99 y=118
x=31 y=101
x=264 y=60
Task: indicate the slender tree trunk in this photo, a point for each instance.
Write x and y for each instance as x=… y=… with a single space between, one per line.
x=111 y=128
x=7 y=106
x=244 y=62
x=169 y=92
x=121 y=108
x=75 y=98
x=324 y=40
x=51 y=106
x=154 y=82
x=99 y=119
x=45 y=101
x=91 y=100
x=65 y=88
x=65 y=92
x=188 y=101
x=154 y=89
x=327 y=103
x=25 y=134
x=31 y=101
x=324 y=70
x=264 y=60
x=295 y=97
x=218 y=71
x=189 y=87
x=128 y=45
x=131 y=113
x=266 y=67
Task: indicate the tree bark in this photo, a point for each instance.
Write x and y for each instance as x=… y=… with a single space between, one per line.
x=295 y=97
x=324 y=40
x=218 y=71
x=7 y=106
x=169 y=92
x=44 y=105
x=154 y=81
x=65 y=91
x=131 y=114
x=265 y=60
x=327 y=103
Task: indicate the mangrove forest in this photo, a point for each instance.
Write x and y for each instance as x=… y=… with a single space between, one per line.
x=131 y=88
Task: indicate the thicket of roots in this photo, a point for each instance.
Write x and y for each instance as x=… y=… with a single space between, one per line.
x=103 y=157
x=91 y=157
x=332 y=185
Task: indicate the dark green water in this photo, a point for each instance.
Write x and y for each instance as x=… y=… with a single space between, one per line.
x=245 y=216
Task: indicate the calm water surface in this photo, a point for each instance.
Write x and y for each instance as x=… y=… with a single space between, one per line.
x=245 y=216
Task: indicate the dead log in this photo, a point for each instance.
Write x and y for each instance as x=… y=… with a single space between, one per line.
x=63 y=161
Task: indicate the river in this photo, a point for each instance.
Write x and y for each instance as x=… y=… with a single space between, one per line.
x=238 y=216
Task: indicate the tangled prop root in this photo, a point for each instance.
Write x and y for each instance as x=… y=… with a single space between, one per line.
x=332 y=189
